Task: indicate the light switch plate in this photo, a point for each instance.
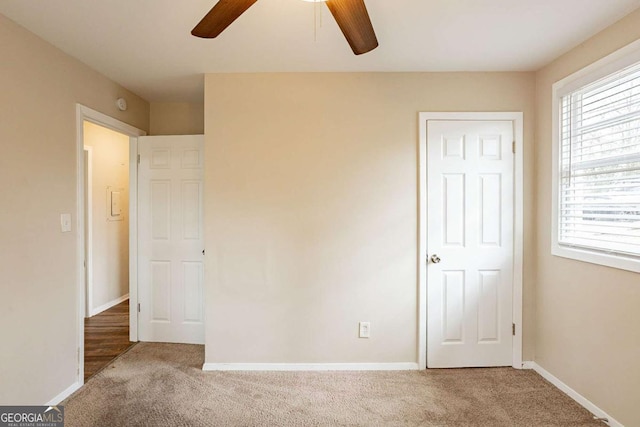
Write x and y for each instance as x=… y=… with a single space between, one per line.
x=65 y=222
x=114 y=204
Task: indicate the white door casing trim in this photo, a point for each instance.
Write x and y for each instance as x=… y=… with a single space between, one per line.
x=85 y=113
x=517 y=119
x=89 y=233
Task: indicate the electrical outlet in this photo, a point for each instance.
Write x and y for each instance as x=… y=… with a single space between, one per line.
x=365 y=329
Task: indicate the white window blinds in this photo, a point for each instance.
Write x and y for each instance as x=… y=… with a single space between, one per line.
x=599 y=181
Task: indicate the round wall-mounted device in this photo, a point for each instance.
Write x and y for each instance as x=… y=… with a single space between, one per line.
x=121 y=103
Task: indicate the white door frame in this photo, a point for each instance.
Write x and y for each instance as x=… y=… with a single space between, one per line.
x=89 y=231
x=517 y=119
x=87 y=114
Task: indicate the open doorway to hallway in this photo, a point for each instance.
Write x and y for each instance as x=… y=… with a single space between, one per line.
x=115 y=199
x=106 y=219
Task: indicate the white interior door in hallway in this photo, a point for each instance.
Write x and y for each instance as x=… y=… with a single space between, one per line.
x=171 y=243
x=470 y=243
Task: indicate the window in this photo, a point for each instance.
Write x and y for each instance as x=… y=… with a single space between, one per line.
x=597 y=164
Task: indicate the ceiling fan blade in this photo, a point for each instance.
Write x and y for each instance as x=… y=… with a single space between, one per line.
x=353 y=19
x=220 y=17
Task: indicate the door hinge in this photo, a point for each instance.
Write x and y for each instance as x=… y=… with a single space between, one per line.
x=513 y=329
x=513 y=147
x=138 y=158
x=138 y=307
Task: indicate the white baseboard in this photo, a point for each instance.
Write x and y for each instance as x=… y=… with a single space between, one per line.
x=408 y=366
x=583 y=401
x=62 y=396
x=108 y=305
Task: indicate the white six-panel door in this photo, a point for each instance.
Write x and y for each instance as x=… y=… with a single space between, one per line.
x=469 y=243
x=171 y=244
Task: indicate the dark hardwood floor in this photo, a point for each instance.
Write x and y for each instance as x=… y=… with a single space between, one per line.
x=106 y=336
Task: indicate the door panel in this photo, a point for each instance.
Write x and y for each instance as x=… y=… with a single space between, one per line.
x=453 y=303
x=453 y=205
x=171 y=271
x=470 y=229
x=193 y=276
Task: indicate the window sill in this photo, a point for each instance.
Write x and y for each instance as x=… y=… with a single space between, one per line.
x=595 y=257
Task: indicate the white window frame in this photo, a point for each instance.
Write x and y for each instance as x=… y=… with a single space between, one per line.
x=620 y=59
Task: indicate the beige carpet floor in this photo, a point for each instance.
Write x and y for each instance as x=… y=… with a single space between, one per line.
x=163 y=385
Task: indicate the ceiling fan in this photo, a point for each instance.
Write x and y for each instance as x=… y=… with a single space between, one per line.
x=351 y=15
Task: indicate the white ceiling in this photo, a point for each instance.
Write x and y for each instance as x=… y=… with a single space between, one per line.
x=146 y=45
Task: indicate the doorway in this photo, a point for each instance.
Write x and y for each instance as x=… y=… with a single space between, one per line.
x=470 y=266
x=107 y=239
x=106 y=246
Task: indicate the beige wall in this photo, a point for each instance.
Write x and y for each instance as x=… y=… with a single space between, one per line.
x=40 y=86
x=176 y=118
x=311 y=209
x=110 y=239
x=588 y=316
